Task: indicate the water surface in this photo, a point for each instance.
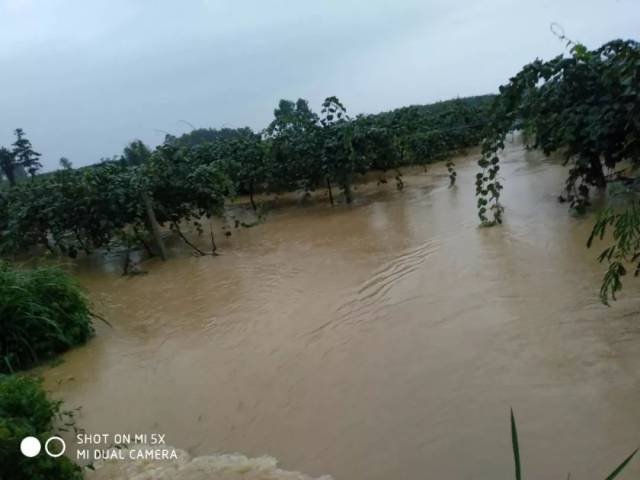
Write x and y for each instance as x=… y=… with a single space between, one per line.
x=384 y=340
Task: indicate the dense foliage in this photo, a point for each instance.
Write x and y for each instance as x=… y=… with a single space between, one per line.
x=26 y=411
x=586 y=106
x=74 y=211
x=188 y=178
x=424 y=133
x=42 y=313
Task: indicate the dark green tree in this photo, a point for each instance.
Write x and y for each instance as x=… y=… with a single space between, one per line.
x=339 y=160
x=65 y=163
x=292 y=160
x=244 y=161
x=25 y=156
x=136 y=153
x=8 y=165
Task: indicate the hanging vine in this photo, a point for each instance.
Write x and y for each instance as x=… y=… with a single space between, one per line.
x=585 y=106
x=579 y=105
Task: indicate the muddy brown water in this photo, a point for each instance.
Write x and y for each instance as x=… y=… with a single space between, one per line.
x=384 y=340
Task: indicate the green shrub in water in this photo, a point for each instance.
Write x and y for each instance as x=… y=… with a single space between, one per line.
x=25 y=411
x=43 y=312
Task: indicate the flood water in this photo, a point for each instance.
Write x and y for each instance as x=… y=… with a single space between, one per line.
x=384 y=340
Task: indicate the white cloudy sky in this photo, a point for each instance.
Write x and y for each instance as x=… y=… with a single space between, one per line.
x=84 y=77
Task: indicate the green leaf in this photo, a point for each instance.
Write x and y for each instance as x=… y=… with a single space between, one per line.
x=516 y=448
x=620 y=467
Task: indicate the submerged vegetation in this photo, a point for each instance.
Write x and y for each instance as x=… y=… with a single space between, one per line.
x=585 y=106
x=126 y=201
x=42 y=313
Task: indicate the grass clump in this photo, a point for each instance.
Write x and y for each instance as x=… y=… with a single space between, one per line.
x=25 y=411
x=43 y=312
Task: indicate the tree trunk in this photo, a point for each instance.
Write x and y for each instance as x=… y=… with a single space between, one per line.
x=45 y=242
x=214 y=247
x=253 y=203
x=143 y=242
x=127 y=262
x=399 y=182
x=11 y=176
x=330 y=191
x=155 y=228
x=347 y=192
x=186 y=240
x=597 y=172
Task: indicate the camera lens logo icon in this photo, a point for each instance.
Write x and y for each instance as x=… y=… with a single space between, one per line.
x=31 y=446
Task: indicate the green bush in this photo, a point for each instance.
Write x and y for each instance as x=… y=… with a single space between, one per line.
x=25 y=411
x=43 y=312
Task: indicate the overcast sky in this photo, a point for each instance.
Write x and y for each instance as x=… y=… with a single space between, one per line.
x=84 y=77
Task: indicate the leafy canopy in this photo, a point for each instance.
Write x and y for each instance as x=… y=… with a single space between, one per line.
x=585 y=106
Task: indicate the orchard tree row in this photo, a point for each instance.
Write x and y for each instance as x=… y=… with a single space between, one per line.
x=127 y=200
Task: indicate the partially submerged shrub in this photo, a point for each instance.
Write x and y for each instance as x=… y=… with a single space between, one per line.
x=25 y=411
x=43 y=312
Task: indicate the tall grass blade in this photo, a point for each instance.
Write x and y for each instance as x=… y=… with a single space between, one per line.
x=516 y=448
x=43 y=312
x=615 y=473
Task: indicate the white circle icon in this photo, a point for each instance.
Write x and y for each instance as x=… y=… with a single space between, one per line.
x=55 y=455
x=30 y=446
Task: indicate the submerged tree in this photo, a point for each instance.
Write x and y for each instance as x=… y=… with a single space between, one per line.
x=338 y=159
x=587 y=107
x=125 y=200
x=292 y=150
x=184 y=189
x=243 y=156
